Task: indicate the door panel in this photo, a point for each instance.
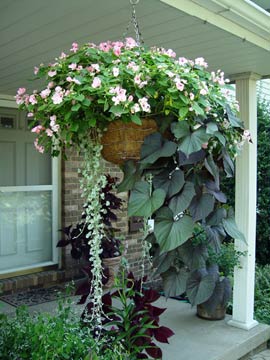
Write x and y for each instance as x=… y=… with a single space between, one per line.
x=26 y=193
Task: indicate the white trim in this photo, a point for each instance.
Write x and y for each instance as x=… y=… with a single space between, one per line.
x=30 y=267
x=8 y=101
x=26 y=188
x=239 y=18
x=56 y=209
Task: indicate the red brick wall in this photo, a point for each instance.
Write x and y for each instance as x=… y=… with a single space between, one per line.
x=72 y=205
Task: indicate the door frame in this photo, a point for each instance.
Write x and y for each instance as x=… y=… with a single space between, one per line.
x=8 y=101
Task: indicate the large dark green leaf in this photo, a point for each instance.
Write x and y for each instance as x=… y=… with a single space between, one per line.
x=174 y=282
x=200 y=287
x=234 y=120
x=201 y=206
x=216 y=217
x=131 y=175
x=164 y=262
x=180 y=129
x=170 y=232
x=228 y=164
x=231 y=228
x=155 y=147
x=170 y=181
x=194 y=141
x=212 y=188
x=215 y=235
x=192 y=158
x=193 y=256
x=181 y=201
x=212 y=168
x=220 y=296
x=211 y=128
x=142 y=203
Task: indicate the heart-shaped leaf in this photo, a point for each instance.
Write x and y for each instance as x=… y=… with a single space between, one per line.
x=228 y=164
x=174 y=281
x=201 y=206
x=170 y=181
x=212 y=188
x=192 y=158
x=181 y=202
x=170 y=232
x=212 y=168
x=231 y=228
x=194 y=141
x=193 y=256
x=180 y=129
x=142 y=202
x=155 y=147
x=131 y=175
x=215 y=235
x=164 y=262
x=234 y=120
x=199 y=287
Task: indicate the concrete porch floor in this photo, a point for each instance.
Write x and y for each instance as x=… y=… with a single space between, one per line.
x=194 y=339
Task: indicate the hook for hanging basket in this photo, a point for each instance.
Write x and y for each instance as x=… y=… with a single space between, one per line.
x=134 y=2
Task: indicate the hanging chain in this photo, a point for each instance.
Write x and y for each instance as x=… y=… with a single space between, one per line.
x=134 y=22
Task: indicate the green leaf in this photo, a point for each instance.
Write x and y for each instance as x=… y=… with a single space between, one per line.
x=141 y=203
x=211 y=166
x=180 y=129
x=234 y=120
x=136 y=119
x=117 y=110
x=76 y=107
x=181 y=201
x=211 y=128
x=79 y=97
x=183 y=111
x=220 y=137
x=174 y=282
x=155 y=147
x=193 y=142
x=228 y=164
x=86 y=102
x=201 y=206
x=164 y=262
x=231 y=228
x=198 y=109
x=193 y=256
x=131 y=175
x=171 y=233
x=74 y=127
x=200 y=288
x=170 y=181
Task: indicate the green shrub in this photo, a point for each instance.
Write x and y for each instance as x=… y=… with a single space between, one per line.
x=50 y=337
x=262 y=294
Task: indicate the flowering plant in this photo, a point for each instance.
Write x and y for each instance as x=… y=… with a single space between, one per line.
x=97 y=84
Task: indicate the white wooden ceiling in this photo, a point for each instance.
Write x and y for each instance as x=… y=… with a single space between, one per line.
x=35 y=31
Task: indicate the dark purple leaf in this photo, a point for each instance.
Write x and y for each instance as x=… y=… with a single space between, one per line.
x=151 y=295
x=62 y=243
x=154 y=351
x=163 y=333
x=83 y=289
x=82 y=299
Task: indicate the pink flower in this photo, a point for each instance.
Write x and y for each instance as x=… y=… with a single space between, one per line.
x=203 y=92
x=37 y=129
x=115 y=71
x=30 y=114
x=36 y=70
x=137 y=79
x=182 y=61
x=57 y=98
x=96 y=82
x=170 y=53
x=191 y=96
x=133 y=66
x=52 y=73
x=117 y=50
x=62 y=56
x=45 y=93
x=201 y=62
x=75 y=47
x=21 y=91
x=72 y=66
x=96 y=67
x=76 y=81
x=105 y=46
x=180 y=86
x=32 y=99
x=135 y=108
x=39 y=148
x=130 y=43
x=49 y=132
x=144 y=104
x=69 y=79
x=50 y=85
x=130 y=98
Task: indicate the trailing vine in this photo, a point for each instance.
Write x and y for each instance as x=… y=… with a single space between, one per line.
x=93 y=179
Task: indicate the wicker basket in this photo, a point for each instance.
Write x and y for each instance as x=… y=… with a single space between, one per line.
x=123 y=141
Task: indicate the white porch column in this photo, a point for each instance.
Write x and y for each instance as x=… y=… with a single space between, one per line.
x=245 y=204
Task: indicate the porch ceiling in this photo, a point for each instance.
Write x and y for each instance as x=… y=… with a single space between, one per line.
x=35 y=31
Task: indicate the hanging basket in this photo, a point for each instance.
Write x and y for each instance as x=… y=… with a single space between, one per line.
x=123 y=141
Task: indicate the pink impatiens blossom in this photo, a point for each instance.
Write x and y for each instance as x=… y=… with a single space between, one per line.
x=191 y=96
x=50 y=85
x=130 y=98
x=179 y=85
x=32 y=99
x=57 y=97
x=115 y=71
x=30 y=114
x=39 y=148
x=37 y=129
x=52 y=73
x=62 y=56
x=75 y=47
x=21 y=91
x=135 y=108
x=144 y=104
x=201 y=62
x=117 y=50
x=105 y=46
x=96 y=82
x=49 y=132
x=182 y=61
x=72 y=66
x=130 y=43
x=133 y=66
x=36 y=70
x=45 y=93
x=203 y=92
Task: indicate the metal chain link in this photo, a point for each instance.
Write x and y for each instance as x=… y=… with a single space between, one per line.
x=134 y=22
